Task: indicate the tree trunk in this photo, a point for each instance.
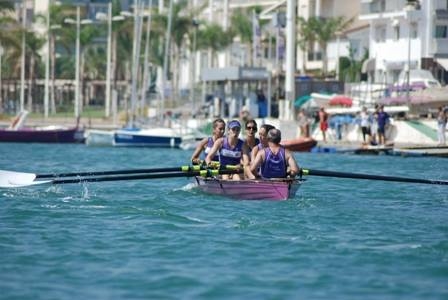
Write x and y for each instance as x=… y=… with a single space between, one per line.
x=81 y=81
x=52 y=75
x=30 y=84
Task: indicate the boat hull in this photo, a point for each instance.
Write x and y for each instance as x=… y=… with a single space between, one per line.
x=275 y=190
x=300 y=144
x=32 y=135
x=146 y=138
x=99 y=138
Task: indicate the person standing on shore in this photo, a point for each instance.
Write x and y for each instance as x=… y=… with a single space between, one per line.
x=323 y=123
x=304 y=124
x=441 y=126
x=205 y=145
x=383 y=121
x=365 y=124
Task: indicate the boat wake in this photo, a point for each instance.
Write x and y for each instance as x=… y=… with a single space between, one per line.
x=187 y=187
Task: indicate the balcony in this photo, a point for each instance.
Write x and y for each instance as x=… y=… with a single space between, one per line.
x=440 y=47
x=375 y=7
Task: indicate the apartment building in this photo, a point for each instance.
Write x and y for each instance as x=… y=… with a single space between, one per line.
x=406 y=35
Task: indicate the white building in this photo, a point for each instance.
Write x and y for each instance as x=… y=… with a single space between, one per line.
x=406 y=34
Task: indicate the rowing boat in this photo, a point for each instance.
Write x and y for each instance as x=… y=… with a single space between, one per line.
x=276 y=190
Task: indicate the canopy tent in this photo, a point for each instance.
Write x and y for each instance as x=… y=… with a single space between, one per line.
x=302 y=100
x=341 y=100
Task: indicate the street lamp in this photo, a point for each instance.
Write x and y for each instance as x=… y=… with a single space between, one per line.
x=78 y=23
x=109 y=19
x=1 y=94
x=193 y=64
x=409 y=8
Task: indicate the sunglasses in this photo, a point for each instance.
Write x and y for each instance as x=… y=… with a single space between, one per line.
x=251 y=128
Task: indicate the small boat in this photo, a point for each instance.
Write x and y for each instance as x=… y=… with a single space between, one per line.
x=300 y=144
x=48 y=134
x=154 y=137
x=274 y=189
x=17 y=133
x=97 y=137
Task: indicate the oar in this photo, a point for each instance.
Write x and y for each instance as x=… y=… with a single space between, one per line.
x=119 y=172
x=370 y=177
x=204 y=173
x=8 y=178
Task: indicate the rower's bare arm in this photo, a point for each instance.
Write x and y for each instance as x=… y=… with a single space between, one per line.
x=200 y=147
x=255 y=164
x=245 y=161
x=253 y=154
x=293 y=166
x=216 y=146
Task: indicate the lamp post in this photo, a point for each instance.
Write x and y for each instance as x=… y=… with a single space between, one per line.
x=78 y=23
x=409 y=8
x=22 y=64
x=1 y=91
x=109 y=19
x=193 y=65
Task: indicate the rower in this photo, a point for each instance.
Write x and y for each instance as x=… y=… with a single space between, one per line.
x=205 y=145
x=263 y=134
x=274 y=159
x=230 y=149
x=251 y=129
x=262 y=144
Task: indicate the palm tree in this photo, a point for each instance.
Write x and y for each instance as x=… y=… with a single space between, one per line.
x=9 y=39
x=241 y=26
x=305 y=40
x=181 y=26
x=57 y=15
x=86 y=37
x=33 y=45
x=213 y=37
x=324 y=30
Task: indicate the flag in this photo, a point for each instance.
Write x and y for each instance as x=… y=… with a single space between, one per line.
x=256 y=32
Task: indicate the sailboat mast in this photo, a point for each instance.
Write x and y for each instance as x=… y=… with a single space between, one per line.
x=166 y=57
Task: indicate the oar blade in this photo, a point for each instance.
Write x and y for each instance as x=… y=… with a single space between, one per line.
x=10 y=179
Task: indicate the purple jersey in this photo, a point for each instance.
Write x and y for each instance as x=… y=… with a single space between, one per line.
x=274 y=165
x=231 y=156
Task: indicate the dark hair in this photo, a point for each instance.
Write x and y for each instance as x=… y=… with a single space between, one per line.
x=251 y=121
x=217 y=121
x=274 y=136
x=267 y=127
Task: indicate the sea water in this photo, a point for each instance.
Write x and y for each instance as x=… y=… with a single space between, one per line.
x=163 y=239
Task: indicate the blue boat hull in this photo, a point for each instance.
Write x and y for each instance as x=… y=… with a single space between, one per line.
x=133 y=139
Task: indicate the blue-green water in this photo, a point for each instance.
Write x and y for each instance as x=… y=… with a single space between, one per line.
x=154 y=239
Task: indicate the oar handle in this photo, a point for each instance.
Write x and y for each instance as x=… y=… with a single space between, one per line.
x=370 y=177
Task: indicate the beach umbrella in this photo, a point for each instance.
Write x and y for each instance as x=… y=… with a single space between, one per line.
x=341 y=100
x=302 y=100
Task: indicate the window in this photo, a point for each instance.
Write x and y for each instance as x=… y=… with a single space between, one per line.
x=380 y=33
x=441 y=32
x=396 y=32
x=414 y=30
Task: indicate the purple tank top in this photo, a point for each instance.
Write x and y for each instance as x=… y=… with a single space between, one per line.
x=231 y=156
x=274 y=165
